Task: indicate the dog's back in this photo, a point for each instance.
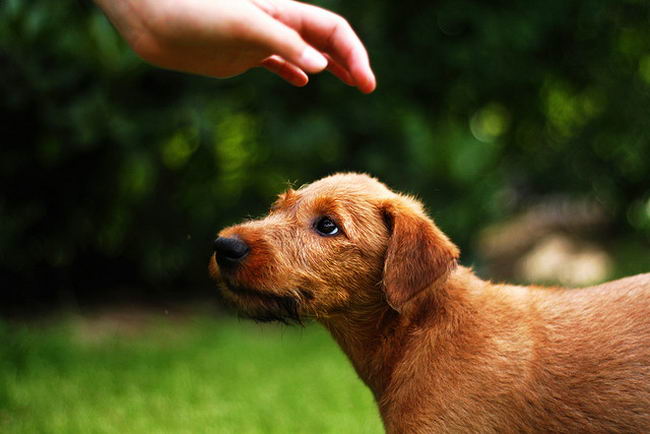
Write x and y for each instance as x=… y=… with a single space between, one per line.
x=597 y=344
x=531 y=360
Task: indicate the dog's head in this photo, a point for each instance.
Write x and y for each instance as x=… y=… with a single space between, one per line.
x=330 y=247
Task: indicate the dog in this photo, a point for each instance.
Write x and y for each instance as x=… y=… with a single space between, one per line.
x=440 y=349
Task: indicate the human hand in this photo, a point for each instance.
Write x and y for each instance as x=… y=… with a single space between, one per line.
x=224 y=38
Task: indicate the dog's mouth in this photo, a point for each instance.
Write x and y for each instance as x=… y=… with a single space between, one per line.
x=260 y=305
x=263 y=306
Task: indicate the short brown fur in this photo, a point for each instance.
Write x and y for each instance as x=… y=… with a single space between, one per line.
x=441 y=349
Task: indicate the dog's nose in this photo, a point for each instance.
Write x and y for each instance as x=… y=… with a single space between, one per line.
x=230 y=251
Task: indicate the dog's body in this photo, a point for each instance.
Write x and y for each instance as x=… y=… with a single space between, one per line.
x=441 y=349
x=515 y=359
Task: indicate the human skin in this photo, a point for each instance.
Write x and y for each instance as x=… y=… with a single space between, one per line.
x=225 y=38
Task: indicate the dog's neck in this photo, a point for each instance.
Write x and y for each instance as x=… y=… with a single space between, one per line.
x=375 y=336
x=365 y=337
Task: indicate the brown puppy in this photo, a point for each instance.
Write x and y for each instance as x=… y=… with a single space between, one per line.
x=442 y=350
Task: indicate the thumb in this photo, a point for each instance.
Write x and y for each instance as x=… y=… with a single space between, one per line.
x=285 y=42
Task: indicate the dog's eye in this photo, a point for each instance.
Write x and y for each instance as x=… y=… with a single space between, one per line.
x=326 y=227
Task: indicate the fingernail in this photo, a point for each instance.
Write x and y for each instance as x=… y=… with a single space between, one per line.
x=313 y=60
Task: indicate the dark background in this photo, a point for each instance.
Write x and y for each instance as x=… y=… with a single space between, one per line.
x=115 y=176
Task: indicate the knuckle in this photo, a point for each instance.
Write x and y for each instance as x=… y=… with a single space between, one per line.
x=342 y=23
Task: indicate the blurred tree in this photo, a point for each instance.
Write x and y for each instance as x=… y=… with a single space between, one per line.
x=115 y=173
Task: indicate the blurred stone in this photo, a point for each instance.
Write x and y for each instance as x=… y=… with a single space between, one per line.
x=548 y=244
x=570 y=262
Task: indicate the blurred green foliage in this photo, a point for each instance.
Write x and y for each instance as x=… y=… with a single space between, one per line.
x=114 y=171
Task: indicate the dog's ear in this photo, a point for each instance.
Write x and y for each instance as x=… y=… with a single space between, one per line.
x=418 y=255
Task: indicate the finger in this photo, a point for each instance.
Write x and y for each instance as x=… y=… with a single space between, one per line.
x=329 y=33
x=283 y=41
x=339 y=71
x=286 y=70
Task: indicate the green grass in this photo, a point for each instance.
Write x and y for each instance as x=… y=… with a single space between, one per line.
x=199 y=375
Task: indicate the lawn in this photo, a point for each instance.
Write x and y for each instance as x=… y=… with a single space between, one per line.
x=196 y=374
